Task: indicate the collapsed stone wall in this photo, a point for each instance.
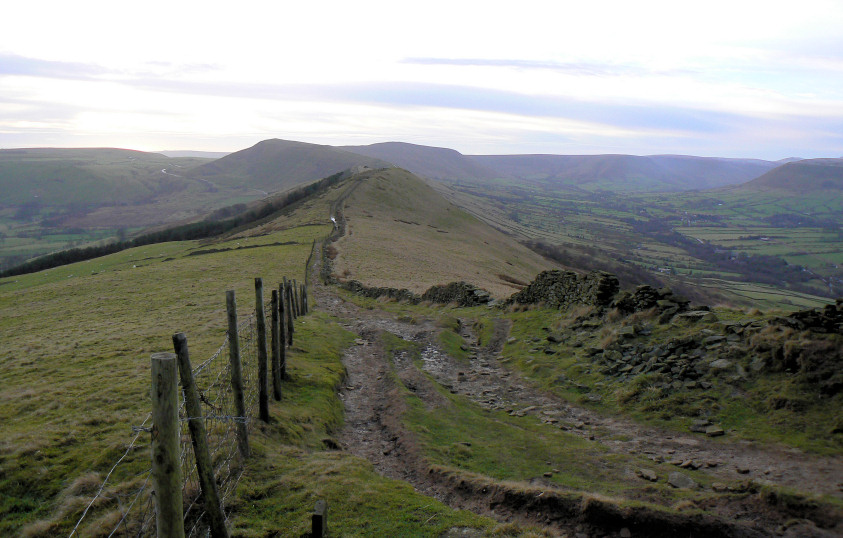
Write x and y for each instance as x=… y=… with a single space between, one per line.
x=461 y=293
x=829 y=319
x=561 y=289
x=399 y=294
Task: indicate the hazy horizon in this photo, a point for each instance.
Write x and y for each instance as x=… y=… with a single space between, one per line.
x=743 y=80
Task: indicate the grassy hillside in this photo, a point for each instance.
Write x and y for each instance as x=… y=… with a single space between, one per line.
x=403 y=234
x=57 y=198
x=803 y=178
x=86 y=177
x=274 y=165
x=75 y=374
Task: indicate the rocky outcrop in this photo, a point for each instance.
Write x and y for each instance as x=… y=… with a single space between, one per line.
x=561 y=289
x=461 y=293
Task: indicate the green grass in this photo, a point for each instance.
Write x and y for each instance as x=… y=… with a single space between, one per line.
x=740 y=407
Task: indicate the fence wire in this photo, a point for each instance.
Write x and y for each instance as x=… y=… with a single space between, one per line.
x=124 y=503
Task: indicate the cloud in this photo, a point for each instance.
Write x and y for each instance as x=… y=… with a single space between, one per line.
x=571 y=68
x=11 y=64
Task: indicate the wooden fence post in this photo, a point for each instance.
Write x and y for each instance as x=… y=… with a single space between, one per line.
x=166 y=470
x=282 y=325
x=236 y=373
x=199 y=438
x=289 y=313
x=296 y=298
x=276 y=348
x=319 y=520
x=303 y=294
x=260 y=318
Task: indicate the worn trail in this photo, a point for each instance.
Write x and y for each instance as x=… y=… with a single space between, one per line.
x=374 y=408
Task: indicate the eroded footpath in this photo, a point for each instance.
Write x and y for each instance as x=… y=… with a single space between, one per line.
x=375 y=403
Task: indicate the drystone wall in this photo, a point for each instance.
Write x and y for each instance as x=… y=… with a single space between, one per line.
x=561 y=289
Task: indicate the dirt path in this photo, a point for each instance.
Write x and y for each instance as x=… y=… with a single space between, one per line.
x=375 y=432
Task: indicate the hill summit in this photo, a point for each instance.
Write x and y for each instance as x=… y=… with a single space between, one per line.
x=273 y=165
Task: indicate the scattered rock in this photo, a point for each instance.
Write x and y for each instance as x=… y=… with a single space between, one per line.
x=681 y=481
x=647 y=474
x=714 y=431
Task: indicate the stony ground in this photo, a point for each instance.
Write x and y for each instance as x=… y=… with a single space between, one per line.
x=374 y=430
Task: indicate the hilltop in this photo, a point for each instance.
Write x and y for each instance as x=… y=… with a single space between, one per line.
x=401 y=233
x=274 y=165
x=427 y=161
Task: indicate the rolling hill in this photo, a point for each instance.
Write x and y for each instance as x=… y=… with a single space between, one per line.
x=427 y=161
x=86 y=176
x=801 y=177
x=274 y=165
x=609 y=172
x=626 y=172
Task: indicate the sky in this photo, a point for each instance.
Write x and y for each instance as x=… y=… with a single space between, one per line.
x=717 y=78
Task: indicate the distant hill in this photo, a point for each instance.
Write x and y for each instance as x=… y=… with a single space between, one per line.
x=197 y=154
x=627 y=172
x=274 y=165
x=801 y=177
x=427 y=161
x=610 y=172
x=84 y=176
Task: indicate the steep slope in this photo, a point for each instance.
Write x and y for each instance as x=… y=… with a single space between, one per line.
x=626 y=172
x=804 y=177
x=426 y=161
x=274 y=165
x=401 y=233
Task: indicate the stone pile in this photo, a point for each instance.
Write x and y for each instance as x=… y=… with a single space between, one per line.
x=646 y=297
x=561 y=289
x=829 y=319
x=684 y=361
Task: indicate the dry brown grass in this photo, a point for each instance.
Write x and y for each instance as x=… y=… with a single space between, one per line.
x=402 y=234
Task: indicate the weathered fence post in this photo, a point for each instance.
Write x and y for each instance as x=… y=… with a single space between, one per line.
x=166 y=479
x=199 y=438
x=282 y=325
x=303 y=294
x=296 y=298
x=276 y=348
x=260 y=318
x=236 y=373
x=319 y=520
x=289 y=313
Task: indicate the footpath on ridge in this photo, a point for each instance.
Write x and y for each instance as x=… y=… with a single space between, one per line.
x=374 y=429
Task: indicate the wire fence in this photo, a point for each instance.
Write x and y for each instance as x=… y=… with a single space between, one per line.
x=124 y=503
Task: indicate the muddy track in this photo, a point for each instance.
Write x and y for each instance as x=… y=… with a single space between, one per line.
x=374 y=406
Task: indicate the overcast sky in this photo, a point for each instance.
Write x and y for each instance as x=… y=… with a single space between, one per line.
x=716 y=78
